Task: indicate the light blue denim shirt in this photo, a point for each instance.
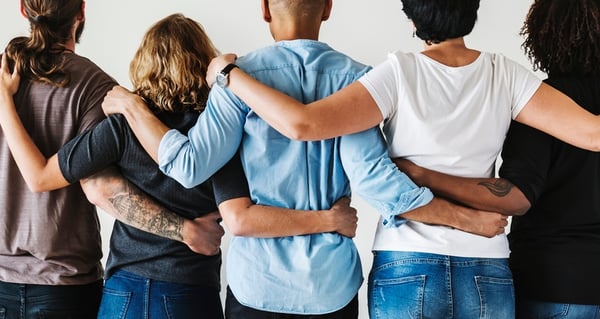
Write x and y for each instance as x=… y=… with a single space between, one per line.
x=311 y=274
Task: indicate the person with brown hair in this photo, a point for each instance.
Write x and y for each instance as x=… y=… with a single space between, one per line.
x=50 y=248
x=147 y=273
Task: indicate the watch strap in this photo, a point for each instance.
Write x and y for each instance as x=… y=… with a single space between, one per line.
x=228 y=69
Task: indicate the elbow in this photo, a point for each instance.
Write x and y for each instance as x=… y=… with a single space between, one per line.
x=234 y=221
x=517 y=207
x=596 y=144
x=92 y=191
x=298 y=131
x=38 y=187
x=300 y=128
x=35 y=189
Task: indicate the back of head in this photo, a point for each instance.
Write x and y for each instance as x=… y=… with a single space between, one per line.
x=563 y=36
x=169 y=67
x=297 y=9
x=39 y=56
x=439 y=20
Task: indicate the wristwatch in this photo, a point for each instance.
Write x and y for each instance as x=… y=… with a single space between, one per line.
x=223 y=76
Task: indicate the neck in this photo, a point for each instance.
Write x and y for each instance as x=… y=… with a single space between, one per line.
x=70 y=45
x=287 y=29
x=452 y=52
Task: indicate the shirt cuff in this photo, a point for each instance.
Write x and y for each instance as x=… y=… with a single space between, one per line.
x=408 y=201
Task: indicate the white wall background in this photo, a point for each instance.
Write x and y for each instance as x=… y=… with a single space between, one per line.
x=366 y=30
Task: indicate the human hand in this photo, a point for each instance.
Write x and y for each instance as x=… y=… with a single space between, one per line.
x=203 y=234
x=9 y=81
x=216 y=65
x=119 y=99
x=345 y=217
x=482 y=223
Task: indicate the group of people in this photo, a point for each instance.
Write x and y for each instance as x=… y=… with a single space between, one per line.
x=277 y=147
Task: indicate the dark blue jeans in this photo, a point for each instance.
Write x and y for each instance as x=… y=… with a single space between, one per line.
x=21 y=301
x=529 y=309
x=129 y=296
x=235 y=310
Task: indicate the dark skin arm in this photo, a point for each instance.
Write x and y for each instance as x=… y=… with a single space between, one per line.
x=492 y=194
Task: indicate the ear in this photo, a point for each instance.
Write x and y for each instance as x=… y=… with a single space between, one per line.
x=266 y=12
x=81 y=15
x=22 y=9
x=327 y=10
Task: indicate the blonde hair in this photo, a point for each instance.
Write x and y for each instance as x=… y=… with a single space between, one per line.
x=169 y=67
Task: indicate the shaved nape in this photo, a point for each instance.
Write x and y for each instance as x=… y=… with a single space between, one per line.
x=297 y=8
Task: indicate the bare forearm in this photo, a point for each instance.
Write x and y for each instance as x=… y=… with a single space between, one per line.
x=125 y=202
x=437 y=212
x=148 y=129
x=491 y=194
x=265 y=221
x=146 y=126
x=244 y=218
x=287 y=119
x=442 y=212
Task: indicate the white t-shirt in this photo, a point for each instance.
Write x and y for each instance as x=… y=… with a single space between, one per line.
x=452 y=120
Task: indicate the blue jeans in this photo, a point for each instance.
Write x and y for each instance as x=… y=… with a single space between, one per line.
x=235 y=310
x=129 y=296
x=23 y=301
x=527 y=309
x=421 y=285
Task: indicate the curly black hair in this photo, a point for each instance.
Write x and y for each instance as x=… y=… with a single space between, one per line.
x=563 y=36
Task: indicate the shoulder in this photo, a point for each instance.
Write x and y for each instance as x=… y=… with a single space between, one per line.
x=299 y=54
x=83 y=69
x=500 y=62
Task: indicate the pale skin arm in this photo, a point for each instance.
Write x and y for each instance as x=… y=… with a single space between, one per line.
x=145 y=125
x=40 y=174
x=124 y=201
x=352 y=109
x=121 y=199
x=492 y=194
x=243 y=218
x=107 y=189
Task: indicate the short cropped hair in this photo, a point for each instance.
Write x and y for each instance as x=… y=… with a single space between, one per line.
x=563 y=36
x=439 y=20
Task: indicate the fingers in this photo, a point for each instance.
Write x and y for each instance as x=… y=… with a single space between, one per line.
x=344 y=201
x=4 y=66
x=5 y=70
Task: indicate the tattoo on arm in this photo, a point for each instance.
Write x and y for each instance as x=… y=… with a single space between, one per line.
x=500 y=187
x=139 y=211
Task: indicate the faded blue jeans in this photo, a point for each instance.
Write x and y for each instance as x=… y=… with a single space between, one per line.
x=422 y=285
x=129 y=296
x=527 y=309
x=23 y=301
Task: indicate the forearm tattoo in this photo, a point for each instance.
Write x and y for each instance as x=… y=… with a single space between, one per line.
x=139 y=211
x=500 y=187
